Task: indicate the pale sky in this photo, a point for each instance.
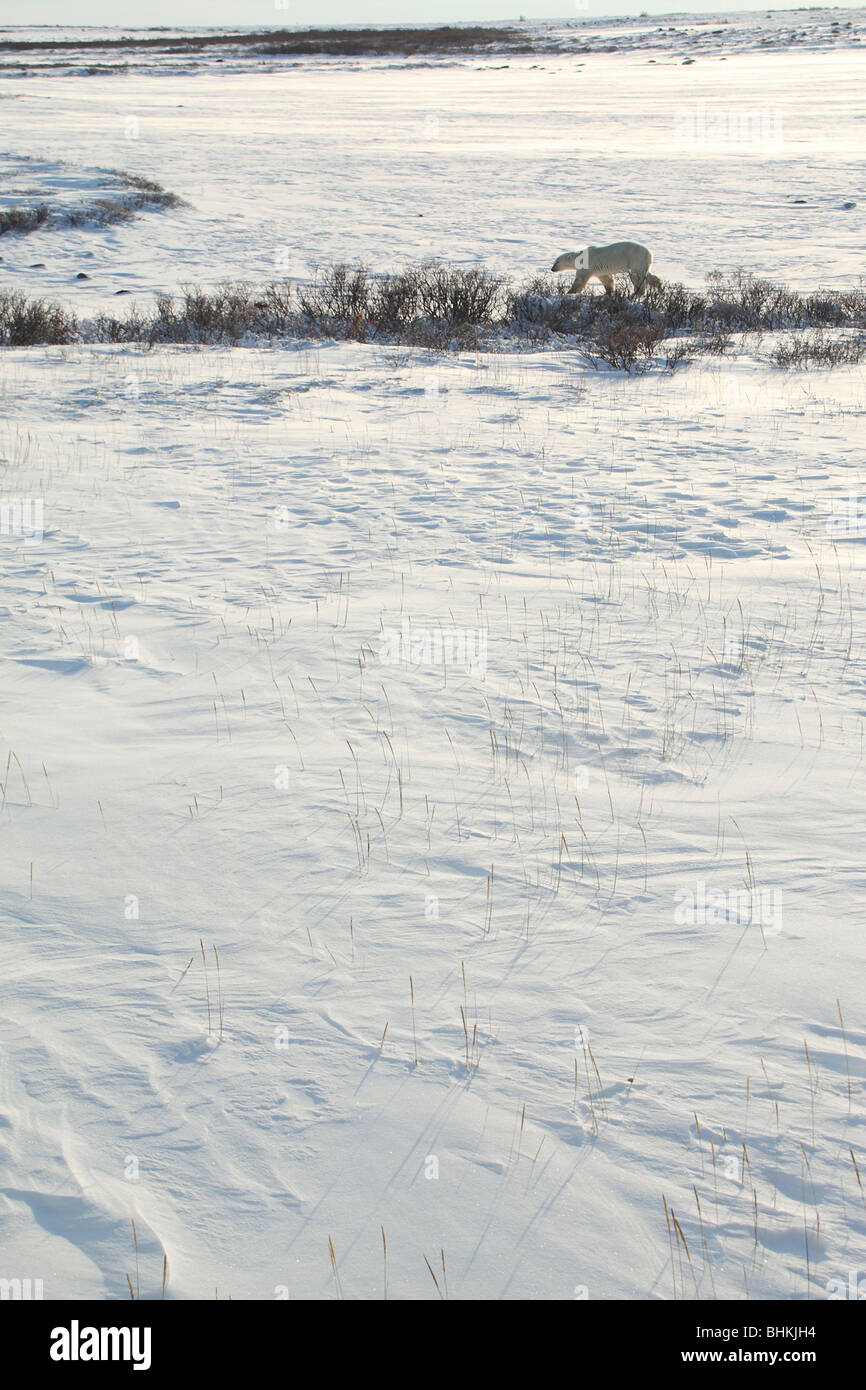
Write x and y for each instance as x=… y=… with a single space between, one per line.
x=253 y=13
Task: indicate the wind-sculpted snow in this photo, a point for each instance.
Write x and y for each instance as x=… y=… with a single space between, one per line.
x=42 y=194
x=348 y=663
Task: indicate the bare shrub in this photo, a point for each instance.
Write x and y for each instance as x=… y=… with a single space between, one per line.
x=744 y=302
x=818 y=351
x=397 y=301
x=630 y=347
x=681 y=352
x=23 y=219
x=29 y=322
x=338 y=300
x=458 y=297
x=135 y=328
x=225 y=314
x=537 y=310
x=419 y=304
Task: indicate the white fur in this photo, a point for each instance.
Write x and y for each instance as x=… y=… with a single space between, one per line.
x=603 y=262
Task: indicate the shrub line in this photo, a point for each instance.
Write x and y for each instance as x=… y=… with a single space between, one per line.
x=450 y=308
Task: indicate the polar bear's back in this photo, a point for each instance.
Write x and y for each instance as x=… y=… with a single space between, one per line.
x=619 y=257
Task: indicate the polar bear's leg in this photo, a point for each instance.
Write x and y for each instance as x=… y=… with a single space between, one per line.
x=638 y=279
x=608 y=282
x=579 y=282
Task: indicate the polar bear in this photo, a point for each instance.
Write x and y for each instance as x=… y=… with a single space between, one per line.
x=603 y=262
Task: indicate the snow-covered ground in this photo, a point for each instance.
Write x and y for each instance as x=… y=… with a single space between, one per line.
x=744 y=162
x=498 y=721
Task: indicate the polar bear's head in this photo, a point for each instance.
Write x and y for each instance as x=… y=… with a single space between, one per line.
x=574 y=260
